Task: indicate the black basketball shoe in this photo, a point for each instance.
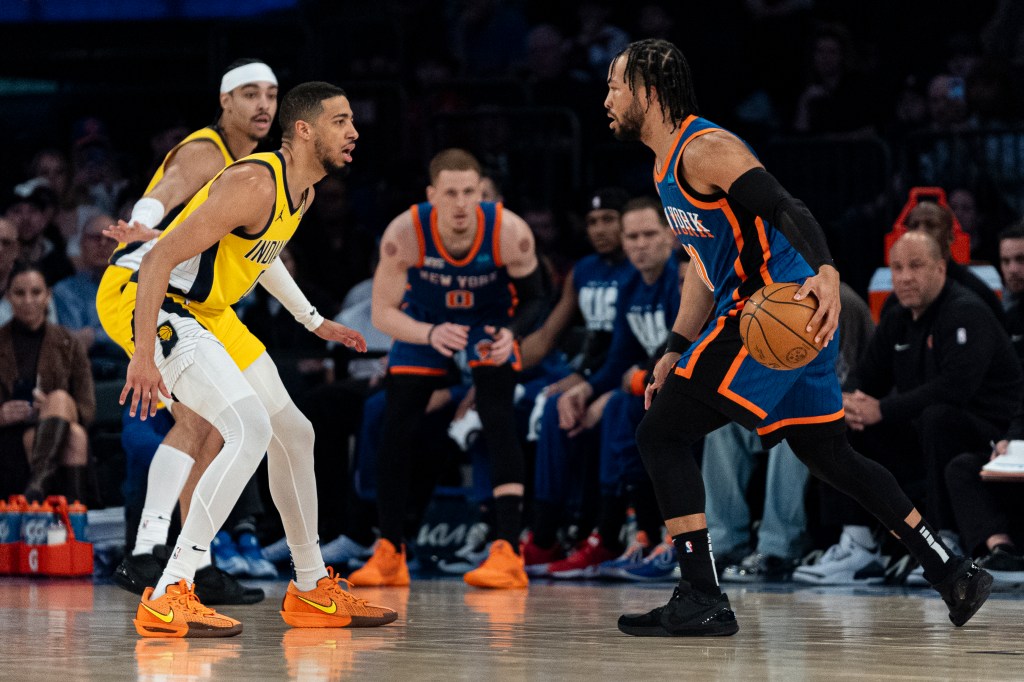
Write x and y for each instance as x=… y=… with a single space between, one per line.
x=215 y=587
x=965 y=590
x=137 y=572
x=689 y=613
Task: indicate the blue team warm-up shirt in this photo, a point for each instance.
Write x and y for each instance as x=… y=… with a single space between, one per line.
x=643 y=318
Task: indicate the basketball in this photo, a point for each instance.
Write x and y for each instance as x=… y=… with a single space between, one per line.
x=772 y=325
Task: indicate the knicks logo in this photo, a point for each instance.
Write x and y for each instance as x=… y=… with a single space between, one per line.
x=265 y=251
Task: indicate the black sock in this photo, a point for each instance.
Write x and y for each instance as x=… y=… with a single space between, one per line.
x=508 y=513
x=546 y=517
x=930 y=551
x=609 y=527
x=695 y=560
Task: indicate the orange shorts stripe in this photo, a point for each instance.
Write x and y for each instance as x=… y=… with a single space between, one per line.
x=687 y=372
x=723 y=388
x=822 y=419
x=419 y=371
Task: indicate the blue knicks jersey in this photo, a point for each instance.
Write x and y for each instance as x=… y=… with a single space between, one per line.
x=596 y=280
x=732 y=250
x=473 y=290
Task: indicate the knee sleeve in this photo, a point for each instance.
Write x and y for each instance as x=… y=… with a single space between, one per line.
x=291 y=475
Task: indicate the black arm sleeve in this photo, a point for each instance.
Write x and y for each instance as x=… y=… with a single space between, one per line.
x=759 y=192
x=530 y=308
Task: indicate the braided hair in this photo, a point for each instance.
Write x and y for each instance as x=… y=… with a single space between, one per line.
x=661 y=65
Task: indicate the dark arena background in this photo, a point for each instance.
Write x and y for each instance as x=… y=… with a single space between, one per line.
x=863 y=109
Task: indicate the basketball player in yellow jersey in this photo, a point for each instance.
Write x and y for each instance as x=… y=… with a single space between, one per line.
x=248 y=100
x=228 y=235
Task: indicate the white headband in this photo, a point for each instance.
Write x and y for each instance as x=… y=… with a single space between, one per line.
x=245 y=74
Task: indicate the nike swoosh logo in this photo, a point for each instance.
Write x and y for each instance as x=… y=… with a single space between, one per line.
x=901 y=346
x=326 y=609
x=165 y=618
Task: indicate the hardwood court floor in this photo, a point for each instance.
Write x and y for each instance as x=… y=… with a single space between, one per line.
x=74 y=630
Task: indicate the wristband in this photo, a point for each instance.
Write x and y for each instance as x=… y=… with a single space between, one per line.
x=147 y=212
x=312 y=320
x=677 y=343
x=430 y=333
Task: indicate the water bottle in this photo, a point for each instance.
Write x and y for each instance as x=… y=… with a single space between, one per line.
x=5 y=524
x=33 y=525
x=79 y=517
x=15 y=511
x=56 y=531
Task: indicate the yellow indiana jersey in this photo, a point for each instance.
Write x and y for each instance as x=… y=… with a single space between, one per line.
x=218 y=277
x=123 y=254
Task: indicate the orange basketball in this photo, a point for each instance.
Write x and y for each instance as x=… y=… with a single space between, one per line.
x=772 y=325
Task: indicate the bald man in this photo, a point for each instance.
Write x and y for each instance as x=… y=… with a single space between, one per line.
x=937 y=221
x=957 y=385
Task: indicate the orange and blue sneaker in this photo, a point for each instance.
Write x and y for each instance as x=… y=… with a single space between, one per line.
x=502 y=569
x=329 y=605
x=387 y=567
x=179 y=613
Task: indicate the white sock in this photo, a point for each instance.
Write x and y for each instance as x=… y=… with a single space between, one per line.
x=309 y=565
x=204 y=561
x=863 y=536
x=181 y=566
x=167 y=475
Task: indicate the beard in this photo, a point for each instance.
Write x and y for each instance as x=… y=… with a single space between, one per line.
x=630 y=124
x=323 y=156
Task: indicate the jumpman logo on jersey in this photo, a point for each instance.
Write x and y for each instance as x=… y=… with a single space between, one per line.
x=280 y=216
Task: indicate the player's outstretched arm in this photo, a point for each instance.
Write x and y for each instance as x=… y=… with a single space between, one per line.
x=399 y=251
x=279 y=283
x=191 y=167
x=243 y=196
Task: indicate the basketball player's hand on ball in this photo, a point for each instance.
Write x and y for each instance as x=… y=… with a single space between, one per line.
x=825 y=287
x=447 y=338
x=330 y=330
x=661 y=370
x=501 y=347
x=126 y=233
x=146 y=386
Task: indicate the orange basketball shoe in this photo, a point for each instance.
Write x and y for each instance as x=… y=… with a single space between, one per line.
x=386 y=567
x=331 y=606
x=179 y=613
x=502 y=569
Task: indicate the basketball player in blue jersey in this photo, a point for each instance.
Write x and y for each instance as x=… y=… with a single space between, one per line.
x=179 y=308
x=742 y=231
x=248 y=103
x=455 y=275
